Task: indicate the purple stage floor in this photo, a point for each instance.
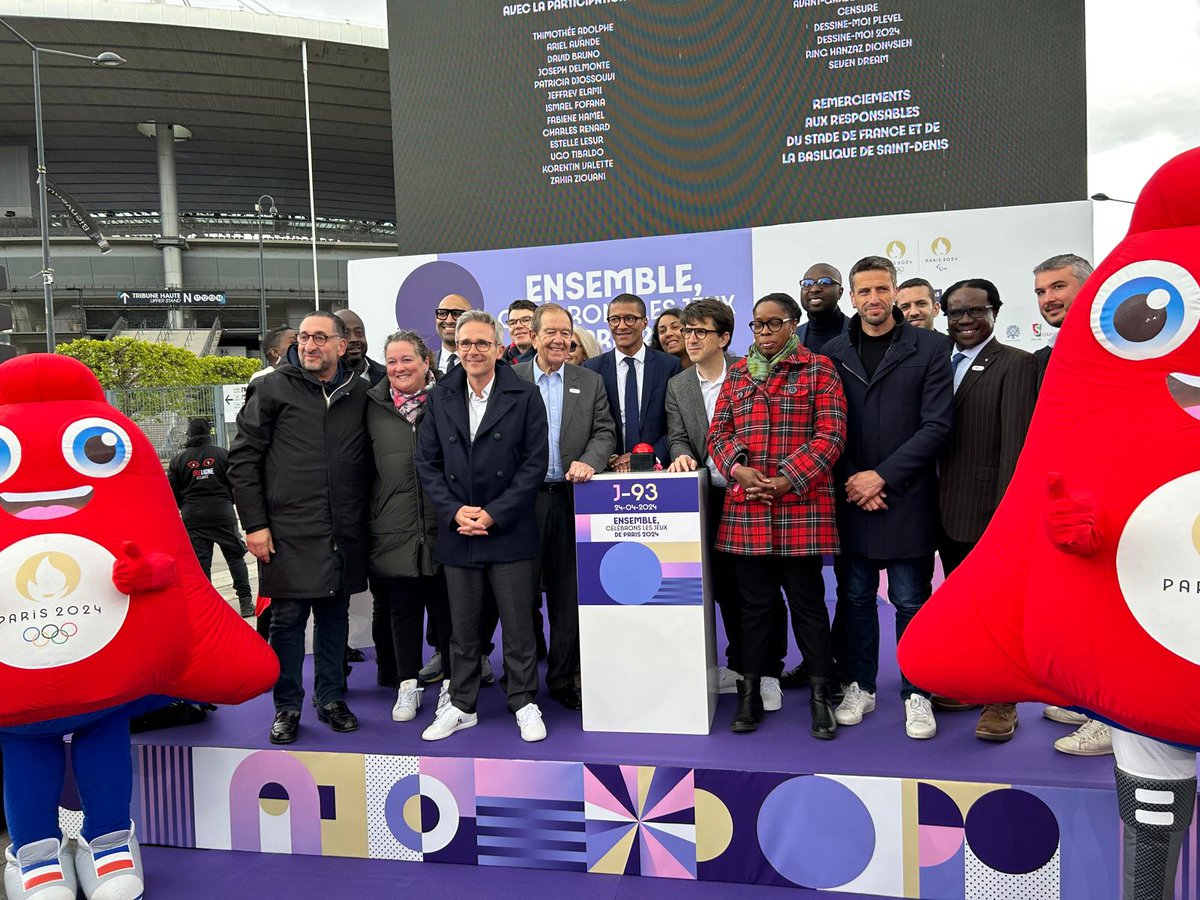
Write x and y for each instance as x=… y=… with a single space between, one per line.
x=877 y=747
x=194 y=874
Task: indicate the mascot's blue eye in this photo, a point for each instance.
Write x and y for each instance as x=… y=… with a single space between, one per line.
x=96 y=447
x=1146 y=310
x=10 y=453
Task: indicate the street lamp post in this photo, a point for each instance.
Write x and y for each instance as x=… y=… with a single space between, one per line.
x=262 y=209
x=104 y=60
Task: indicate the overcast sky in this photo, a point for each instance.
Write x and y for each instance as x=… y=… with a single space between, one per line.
x=1143 y=72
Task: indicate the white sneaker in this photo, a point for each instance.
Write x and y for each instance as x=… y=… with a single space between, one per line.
x=529 y=718
x=727 y=680
x=771 y=693
x=443 y=697
x=110 y=867
x=449 y=720
x=41 y=870
x=408 y=701
x=1092 y=738
x=1064 y=716
x=918 y=718
x=856 y=704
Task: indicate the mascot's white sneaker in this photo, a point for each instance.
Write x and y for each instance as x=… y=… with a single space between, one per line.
x=110 y=867
x=43 y=870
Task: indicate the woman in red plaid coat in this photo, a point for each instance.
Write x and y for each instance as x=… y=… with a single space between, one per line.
x=778 y=428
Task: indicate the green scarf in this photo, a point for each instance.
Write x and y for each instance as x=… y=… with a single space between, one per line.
x=760 y=367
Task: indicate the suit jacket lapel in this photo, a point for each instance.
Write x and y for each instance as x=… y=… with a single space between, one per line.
x=499 y=403
x=570 y=377
x=692 y=403
x=456 y=409
x=975 y=371
x=649 y=368
x=897 y=353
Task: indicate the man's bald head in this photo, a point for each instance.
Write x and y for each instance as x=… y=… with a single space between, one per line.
x=446 y=315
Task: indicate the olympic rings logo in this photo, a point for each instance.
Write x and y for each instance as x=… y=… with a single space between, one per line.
x=50 y=634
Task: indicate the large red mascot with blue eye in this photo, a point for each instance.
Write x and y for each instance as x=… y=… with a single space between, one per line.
x=1085 y=590
x=102 y=605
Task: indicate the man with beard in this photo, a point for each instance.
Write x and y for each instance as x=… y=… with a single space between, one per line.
x=356 y=359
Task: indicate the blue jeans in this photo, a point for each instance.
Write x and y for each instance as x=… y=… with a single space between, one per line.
x=910 y=583
x=331 y=627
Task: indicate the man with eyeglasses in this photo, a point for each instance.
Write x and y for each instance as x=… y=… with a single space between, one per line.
x=899 y=396
x=520 y=333
x=691 y=400
x=635 y=377
x=820 y=292
x=995 y=388
x=301 y=471
x=482 y=456
x=581 y=437
x=446 y=318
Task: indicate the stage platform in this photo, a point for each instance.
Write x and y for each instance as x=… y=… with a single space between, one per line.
x=872 y=812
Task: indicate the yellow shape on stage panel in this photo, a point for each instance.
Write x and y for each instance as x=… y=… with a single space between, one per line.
x=613 y=862
x=274 y=806
x=644 y=775
x=714 y=826
x=412 y=813
x=675 y=551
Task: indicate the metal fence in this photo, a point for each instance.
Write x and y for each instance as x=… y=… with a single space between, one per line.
x=163 y=412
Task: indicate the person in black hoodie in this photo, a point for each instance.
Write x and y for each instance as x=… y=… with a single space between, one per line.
x=301 y=471
x=199 y=476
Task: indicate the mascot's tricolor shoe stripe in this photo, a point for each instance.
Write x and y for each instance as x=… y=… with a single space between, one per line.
x=41 y=873
x=114 y=860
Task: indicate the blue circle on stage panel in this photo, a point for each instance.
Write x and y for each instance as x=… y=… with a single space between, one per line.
x=631 y=573
x=816 y=832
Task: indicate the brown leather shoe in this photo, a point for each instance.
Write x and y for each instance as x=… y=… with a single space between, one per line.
x=949 y=704
x=997 y=722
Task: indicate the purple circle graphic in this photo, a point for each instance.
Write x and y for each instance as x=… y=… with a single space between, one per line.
x=393 y=810
x=425 y=287
x=631 y=573
x=816 y=832
x=1012 y=831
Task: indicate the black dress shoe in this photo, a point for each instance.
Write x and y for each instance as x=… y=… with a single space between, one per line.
x=338 y=715
x=285 y=726
x=794 y=678
x=824 y=726
x=568 y=697
x=354 y=655
x=750 y=708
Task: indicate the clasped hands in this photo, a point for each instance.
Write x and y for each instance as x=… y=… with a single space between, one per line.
x=866 y=490
x=473 y=521
x=758 y=486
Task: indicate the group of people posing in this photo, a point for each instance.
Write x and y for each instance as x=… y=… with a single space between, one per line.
x=443 y=479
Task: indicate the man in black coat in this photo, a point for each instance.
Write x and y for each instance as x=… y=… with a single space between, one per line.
x=482 y=455
x=899 y=398
x=199 y=476
x=1056 y=282
x=356 y=359
x=301 y=471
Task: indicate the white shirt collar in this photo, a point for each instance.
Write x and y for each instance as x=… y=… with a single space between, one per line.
x=976 y=350
x=485 y=393
x=640 y=356
x=721 y=378
x=1053 y=337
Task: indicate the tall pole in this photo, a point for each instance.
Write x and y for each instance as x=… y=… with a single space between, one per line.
x=262 y=288
x=312 y=199
x=43 y=205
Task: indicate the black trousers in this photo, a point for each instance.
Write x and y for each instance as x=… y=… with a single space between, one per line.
x=510 y=586
x=204 y=534
x=331 y=627
x=554 y=511
x=952 y=552
x=841 y=615
x=760 y=579
x=723 y=572
x=398 y=615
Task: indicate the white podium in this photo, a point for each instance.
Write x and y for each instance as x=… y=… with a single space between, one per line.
x=646 y=627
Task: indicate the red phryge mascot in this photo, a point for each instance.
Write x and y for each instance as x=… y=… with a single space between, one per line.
x=102 y=604
x=1085 y=590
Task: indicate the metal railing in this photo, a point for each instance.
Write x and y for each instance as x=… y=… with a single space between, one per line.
x=162 y=414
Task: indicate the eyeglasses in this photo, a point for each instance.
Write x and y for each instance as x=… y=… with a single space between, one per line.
x=319 y=339
x=702 y=333
x=524 y=320
x=614 y=321
x=481 y=346
x=442 y=314
x=973 y=312
x=771 y=325
x=818 y=282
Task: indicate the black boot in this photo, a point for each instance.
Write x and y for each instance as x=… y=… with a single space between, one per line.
x=821 y=705
x=749 y=709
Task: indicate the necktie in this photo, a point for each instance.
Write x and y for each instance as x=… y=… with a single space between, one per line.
x=633 y=422
x=453 y=361
x=955 y=360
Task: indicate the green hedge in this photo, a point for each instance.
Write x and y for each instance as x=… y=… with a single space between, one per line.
x=126 y=362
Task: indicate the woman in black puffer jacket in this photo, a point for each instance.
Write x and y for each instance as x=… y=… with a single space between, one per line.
x=403 y=523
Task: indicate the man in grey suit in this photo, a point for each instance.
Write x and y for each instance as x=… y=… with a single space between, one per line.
x=995 y=388
x=691 y=399
x=582 y=437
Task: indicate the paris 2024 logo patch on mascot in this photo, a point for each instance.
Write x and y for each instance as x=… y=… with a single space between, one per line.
x=1085 y=590
x=102 y=604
